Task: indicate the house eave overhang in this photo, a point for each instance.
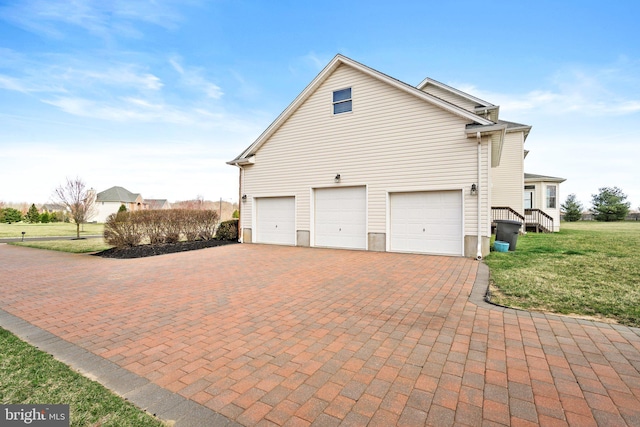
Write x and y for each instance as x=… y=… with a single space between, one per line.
x=325 y=73
x=484 y=130
x=243 y=161
x=496 y=133
x=542 y=178
x=482 y=104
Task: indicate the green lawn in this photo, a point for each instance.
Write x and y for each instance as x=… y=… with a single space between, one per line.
x=30 y=376
x=588 y=269
x=73 y=246
x=48 y=230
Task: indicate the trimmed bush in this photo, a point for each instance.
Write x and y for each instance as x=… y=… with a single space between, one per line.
x=208 y=222
x=126 y=229
x=121 y=230
x=228 y=230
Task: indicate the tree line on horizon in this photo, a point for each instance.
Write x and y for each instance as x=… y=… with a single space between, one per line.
x=608 y=204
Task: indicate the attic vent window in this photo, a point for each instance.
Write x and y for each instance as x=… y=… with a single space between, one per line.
x=342 y=101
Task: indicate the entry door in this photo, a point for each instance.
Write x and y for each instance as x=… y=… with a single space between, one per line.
x=341 y=217
x=426 y=222
x=275 y=220
x=528 y=199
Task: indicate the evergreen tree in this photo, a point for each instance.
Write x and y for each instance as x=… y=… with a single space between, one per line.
x=122 y=208
x=609 y=204
x=571 y=209
x=45 y=218
x=33 y=216
x=10 y=215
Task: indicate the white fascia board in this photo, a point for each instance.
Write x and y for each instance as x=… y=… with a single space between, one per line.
x=458 y=92
x=543 y=178
x=487 y=129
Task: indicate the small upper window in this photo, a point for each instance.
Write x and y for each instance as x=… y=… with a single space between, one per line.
x=342 y=101
x=551 y=196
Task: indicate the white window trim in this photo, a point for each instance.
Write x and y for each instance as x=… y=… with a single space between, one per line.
x=334 y=103
x=555 y=197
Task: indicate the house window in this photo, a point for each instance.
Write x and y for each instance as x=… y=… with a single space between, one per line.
x=342 y=101
x=551 y=196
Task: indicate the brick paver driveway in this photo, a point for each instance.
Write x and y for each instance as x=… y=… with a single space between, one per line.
x=269 y=335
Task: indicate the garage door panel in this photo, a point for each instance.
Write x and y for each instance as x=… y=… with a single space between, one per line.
x=275 y=220
x=426 y=222
x=340 y=217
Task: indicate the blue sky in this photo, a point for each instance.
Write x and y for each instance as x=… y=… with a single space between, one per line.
x=155 y=96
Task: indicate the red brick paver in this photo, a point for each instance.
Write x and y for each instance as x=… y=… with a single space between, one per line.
x=270 y=335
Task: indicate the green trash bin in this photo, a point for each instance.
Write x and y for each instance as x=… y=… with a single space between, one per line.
x=507 y=231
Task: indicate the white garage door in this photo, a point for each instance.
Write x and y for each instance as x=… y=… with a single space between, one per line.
x=275 y=220
x=426 y=222
x=341 y=217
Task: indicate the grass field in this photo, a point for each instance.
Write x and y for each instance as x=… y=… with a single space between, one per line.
x=30 y=376
x=48 y=230
x=73 y=246
x=589 y=269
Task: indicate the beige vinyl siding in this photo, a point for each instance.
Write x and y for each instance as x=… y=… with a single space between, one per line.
x=450 y=97
x=508 y=178
x=391 y=141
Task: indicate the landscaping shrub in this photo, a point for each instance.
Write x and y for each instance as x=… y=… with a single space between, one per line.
x=228 y=230
x=208 y=221
x=126 y=229
x=122 y=230
x=10 y=215
x=173 y=224
x=45 y=218
x=152 y=225
x=190 y=224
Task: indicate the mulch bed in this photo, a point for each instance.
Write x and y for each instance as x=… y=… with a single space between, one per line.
x=161 y=249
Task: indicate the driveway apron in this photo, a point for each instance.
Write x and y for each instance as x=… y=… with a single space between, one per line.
x=273 y=335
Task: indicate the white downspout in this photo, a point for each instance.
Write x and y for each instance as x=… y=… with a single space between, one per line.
x=240 y=201
x=479 y=194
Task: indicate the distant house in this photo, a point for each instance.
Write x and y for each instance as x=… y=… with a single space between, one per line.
x=109 y=201
x=157 y=204
x=360 y=160
x=52 y=207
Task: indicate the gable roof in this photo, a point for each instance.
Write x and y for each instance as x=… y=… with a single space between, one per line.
x=245 y=156
x=156 y=203
x=117 y=194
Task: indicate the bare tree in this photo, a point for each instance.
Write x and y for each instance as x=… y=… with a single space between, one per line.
x=79 y=201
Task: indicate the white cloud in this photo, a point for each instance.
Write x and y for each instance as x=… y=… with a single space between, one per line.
x=105 y=19
x=610 y=90
x=193 y=78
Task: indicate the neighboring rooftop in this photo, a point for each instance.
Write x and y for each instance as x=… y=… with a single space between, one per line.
x=117 y=194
